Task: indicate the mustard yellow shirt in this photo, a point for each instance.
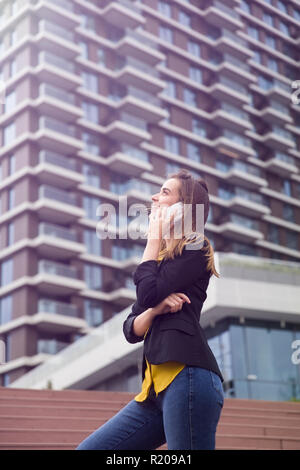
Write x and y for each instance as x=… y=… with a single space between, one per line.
x=161 y=375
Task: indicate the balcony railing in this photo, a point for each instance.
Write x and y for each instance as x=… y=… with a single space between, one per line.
x=58 y=93
x=58 y=269
x=47 y=26
x=46 y=156
x=58 y=308
x=66 y=4
x=244 y=221
x=59 y=62
x=143 y=95
x=47 y=346
x=284 y=158
x=239 y=165
x=46 y=191
x=57 y=231
x=135 y=152
x=134 y=184
x=57 y=126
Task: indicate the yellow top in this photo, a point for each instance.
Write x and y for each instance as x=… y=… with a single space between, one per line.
x=161 y=375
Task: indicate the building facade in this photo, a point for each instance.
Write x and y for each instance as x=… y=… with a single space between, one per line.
x=104 y=99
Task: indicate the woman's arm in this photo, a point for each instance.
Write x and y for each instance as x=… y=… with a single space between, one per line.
x=143 y=321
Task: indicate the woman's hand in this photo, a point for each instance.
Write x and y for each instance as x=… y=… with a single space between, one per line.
x=173 y=303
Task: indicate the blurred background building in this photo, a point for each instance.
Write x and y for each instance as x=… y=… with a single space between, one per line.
x=106 y=98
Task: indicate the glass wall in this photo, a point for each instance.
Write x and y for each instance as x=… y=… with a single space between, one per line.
x=256 y=360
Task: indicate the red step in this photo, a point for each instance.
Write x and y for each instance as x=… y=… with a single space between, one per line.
x=48 y=419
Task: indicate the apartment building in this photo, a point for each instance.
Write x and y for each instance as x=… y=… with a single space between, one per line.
x=104 y=99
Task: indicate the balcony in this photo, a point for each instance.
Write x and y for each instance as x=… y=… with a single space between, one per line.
x=136 y=190
x=279 y=139
x=232 y=118
x=58 y=317
x=282 y=165
x=234 y=146
x=230 y=91
x=138 y=74
x=57 y=11
x=276 y=113
x=244 y=202
x=123 y=13
x=57 y=242
x=57 y=70
x=56 y=205
x=57 y=170
x=129 y=129
x=248 y=176
x=241 y=229
x=57 y=103
x=57 y=279
x=57 y=136
x=52 y=37
x=127 y=164
x=233 y=44
x=143 y=104
x=138 y=45
x=222 y=16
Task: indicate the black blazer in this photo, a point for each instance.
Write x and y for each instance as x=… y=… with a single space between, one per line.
x=173 y=336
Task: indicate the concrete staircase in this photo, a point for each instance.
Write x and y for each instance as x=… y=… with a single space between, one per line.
x=46 y=419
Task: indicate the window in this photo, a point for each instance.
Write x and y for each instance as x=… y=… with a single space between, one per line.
x=284 y=28
x=273 y=235
x=165 y=9
x=268 y=19
x=253 y=32
x=11 y=165
x=292 y=240
x=11 y=199
x=10 y=233
x=9 y=134
x=287 y=188
x=185 y=19
x=90 y=205
x=6 y=272
x=196 y=74
x=194 y=48
x=91 y=112
x=199 y=127
x=288 y=213
x=10 y=102
x=93 y=312
x=193 y=152
x=92 y=175
x=272 y=64
x=12 y=68
x=91 y=143
x=170 y=89
x=90 y=81
x=172 y=143
x=101 y=57
x=282 y=7
x=92 y=242
x=270 y=41
x=93 y=276
x=190 y=97
x=6 y=309
x=84 y=49
x=166 y=33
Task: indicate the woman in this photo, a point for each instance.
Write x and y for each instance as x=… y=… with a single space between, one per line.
x=182 y=395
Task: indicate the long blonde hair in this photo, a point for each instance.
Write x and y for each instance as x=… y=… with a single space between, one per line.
x=191 y=191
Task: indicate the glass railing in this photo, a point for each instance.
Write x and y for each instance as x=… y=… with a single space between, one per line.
x=243 y=193
x=280 y=107
x=285 y=158
x=234 y=38
x=57 y=126
x=57 y=231
x=139 y=37
x=282 y=86
x=233 y=85
x=66 y=4
x=239 y=139
x=244 y=221
x=57 y=93
x=135 y=152
x=50 y=346
x=239 y=165
x=58 y=269
x=235 y=111
x=59 y=62
x=236 y=62
x=282 y=132
x=59 y=308
x=133 y=121
x=46 y=156
x=228 y=11
x=56 y=194
x=47 y=26
x=143 y=95
x=131 y=6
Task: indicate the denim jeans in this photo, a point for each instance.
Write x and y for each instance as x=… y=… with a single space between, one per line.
x=185 y=415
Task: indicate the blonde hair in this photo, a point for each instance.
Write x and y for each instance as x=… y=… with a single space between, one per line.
x=191 y=191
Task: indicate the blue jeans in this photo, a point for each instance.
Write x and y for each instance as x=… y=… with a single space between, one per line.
x=185 y=415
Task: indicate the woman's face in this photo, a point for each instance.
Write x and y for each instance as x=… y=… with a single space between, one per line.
x=168 y=195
